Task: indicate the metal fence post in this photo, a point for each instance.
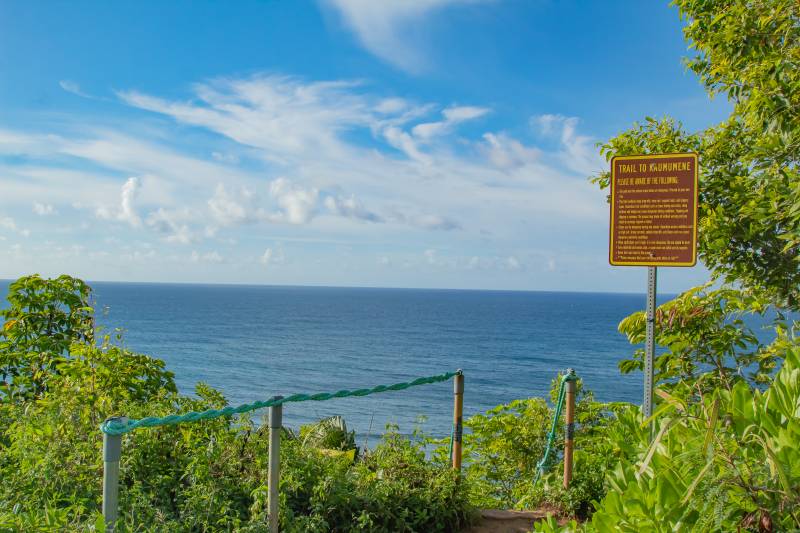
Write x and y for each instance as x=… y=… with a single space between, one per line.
x=458 y=418
x=569 y=434
x=273 y=476
x=112 y=451
x=650 y=341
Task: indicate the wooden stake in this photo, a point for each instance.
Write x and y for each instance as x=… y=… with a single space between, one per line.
x=569 y=436
x=458 y=418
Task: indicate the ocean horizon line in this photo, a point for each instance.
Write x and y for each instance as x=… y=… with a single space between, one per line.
x=357 y=287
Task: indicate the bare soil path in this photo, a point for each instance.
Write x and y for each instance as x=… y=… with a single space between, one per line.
x=495 y=521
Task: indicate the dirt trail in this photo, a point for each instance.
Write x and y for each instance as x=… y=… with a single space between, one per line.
x=494 y=521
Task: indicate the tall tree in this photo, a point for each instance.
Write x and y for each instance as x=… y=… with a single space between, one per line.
x=43 y=319
x=749 y=210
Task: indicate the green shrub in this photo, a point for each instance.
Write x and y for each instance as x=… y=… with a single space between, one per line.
x=206 y=476
x=503 y=447
x=44 y=318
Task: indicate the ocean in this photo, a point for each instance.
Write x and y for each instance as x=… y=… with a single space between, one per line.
x=253 y=342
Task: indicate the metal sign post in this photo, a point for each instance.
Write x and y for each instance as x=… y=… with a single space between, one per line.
x=653 y=223
x=650 y=342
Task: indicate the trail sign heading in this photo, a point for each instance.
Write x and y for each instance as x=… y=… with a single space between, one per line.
x=653 y=210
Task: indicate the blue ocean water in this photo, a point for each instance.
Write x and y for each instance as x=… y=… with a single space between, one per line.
x=252 y=342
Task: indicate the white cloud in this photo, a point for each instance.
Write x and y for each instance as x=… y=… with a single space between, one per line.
x=229 y=209
x=391 y=106
x=208 y=257
x=452 y=117
x=304 y=130
x=494 y=263
x=349 y=153
x=548 y=123
x=405 y=143
x=224 y=157
x=281 y=115
x=506 y=153
x=9 y=224
x=426 y=221
x=350 y=207
x=298 y=205
x=139 y=256
x=74 y=88
x=431 y=256
x=383 y=27
x=581 y=154
x=19 y=143
x=43 y=209
x=272 y=257
x=578 y=151
x=174 y=225
x=125 y=212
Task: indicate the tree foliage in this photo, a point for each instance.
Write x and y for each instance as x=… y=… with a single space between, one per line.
x=729 y=462
x=44 y=318
x=706 y=339
x=749 y=213
x=722 y=457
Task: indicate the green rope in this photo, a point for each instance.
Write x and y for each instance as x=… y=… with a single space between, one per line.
x=118 y=426
x=551 y=437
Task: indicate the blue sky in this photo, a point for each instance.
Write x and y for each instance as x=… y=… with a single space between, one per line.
x=434 y=143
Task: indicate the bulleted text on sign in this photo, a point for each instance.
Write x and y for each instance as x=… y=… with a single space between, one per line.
x=653 y=210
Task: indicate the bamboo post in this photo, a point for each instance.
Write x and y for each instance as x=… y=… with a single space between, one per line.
x=112 y=452
x=458 y=418
x=273 y=476
x=569 y=443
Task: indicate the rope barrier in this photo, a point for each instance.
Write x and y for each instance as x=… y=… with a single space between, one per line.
x=543 y=464
x=119 y=426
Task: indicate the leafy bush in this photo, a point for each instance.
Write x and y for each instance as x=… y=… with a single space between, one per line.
x=503 y=447
x=206 y=476
x=44 y=319
x=727 y=463
x=707 y=340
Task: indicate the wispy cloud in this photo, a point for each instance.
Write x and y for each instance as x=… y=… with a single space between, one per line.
x=337 y=162
x=207 y=257
x=174 y=225
x=272 y=257
x=72 y=87
x=44 y=210
x=451 y=117
x=351 y=207
x=578 y=151
x=384 y=27
x=8 y=224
